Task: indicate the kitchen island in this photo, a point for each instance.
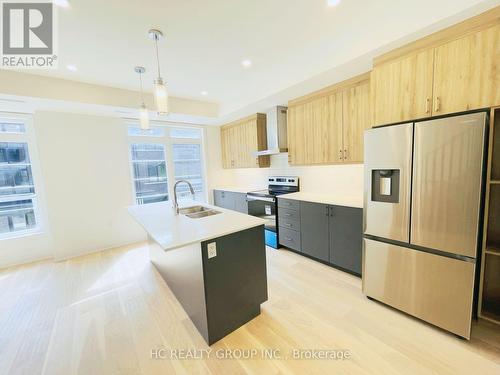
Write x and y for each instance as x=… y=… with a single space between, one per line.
x=214 y=264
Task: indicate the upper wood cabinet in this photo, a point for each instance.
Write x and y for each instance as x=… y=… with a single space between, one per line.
x=225 y=147
x=467 y=73
x=295 y=134
x=241 y=139
x=315 y=131
x=453 y=71
x=402 y=89
x=327 y=127
x=355 y=120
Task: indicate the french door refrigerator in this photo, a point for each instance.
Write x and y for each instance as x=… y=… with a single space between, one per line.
x=423 y=197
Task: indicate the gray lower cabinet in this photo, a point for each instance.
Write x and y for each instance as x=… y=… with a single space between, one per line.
x=346 y=231
x=290 y=238
x=289 y=224
x=314 y=230
x=231 y=200
x=329 y=233
x=240 y=203
x=221 y=199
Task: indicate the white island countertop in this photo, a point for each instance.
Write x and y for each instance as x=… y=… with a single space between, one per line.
x=173 y=231
x=333 y=199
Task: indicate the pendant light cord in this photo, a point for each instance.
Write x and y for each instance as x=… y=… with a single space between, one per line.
x=157 y=56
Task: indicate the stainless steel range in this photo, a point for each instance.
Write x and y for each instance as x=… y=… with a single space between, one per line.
x=263 y=204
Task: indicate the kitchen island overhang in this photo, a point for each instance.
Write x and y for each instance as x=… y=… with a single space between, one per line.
x=219 y=274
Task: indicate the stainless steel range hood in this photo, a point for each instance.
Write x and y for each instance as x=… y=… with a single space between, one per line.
x=276 y=132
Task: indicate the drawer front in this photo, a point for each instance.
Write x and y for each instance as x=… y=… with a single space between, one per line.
x=288 y=214
x=285 y=222
x=288 y=203
x=290 y=238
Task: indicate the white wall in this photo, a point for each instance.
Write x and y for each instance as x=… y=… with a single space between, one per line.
x=328 y=179
x=85 y=186
x=86 y=173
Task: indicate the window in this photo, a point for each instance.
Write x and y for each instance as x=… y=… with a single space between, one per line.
x=163 y=155
x=186 y=133
x=187 y=166
x=17 y=187
x=12 y=127
x=138 y=132
x=150 y=172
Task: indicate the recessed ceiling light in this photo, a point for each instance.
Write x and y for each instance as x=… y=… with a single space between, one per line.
x=71 y=67
x=333 y=3
x=246 y=63
x=204 y=93
x=62 y=3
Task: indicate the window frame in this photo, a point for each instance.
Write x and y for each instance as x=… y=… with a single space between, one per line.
x=168 y=141
x=29 y=138
x=140 y=140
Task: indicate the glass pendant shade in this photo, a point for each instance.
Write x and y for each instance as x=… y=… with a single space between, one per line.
x=144 y=117
x=161 y=97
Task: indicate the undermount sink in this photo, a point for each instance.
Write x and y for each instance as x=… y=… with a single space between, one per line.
x=197 y=212
x=193 y=209
x=199 y=215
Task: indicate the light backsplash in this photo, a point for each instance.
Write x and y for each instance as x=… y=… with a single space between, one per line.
x=344 y=180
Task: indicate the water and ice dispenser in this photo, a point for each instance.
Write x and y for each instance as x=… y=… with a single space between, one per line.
x=385 y=185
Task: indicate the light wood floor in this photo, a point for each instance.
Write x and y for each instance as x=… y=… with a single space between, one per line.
x=104 y=313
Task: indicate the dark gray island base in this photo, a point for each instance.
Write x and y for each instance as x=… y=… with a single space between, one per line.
x=220 y=293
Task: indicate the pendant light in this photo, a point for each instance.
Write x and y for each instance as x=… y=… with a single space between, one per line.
x=160 y=89
x=144 y=115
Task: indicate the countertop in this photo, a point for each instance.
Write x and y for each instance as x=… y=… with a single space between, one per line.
x=172 y=231
x=235 y=189
x=333 y=199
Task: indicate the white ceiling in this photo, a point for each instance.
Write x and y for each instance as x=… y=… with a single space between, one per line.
x=288 y=42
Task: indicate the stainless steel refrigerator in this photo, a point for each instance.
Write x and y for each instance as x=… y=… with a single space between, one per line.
x=423 y=197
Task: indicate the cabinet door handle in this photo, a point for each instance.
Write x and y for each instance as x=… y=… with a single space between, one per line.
x=288 y=239
x=437 y=108
x=327 y=211
x=331 y=211
x=428 y=105
x=345 y=154
x=288 y=214
x=288 y=224
x=340 y=155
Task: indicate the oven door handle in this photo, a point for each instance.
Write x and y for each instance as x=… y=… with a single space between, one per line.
x=251 y=198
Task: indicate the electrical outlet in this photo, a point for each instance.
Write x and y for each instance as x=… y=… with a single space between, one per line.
x=212 y=250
